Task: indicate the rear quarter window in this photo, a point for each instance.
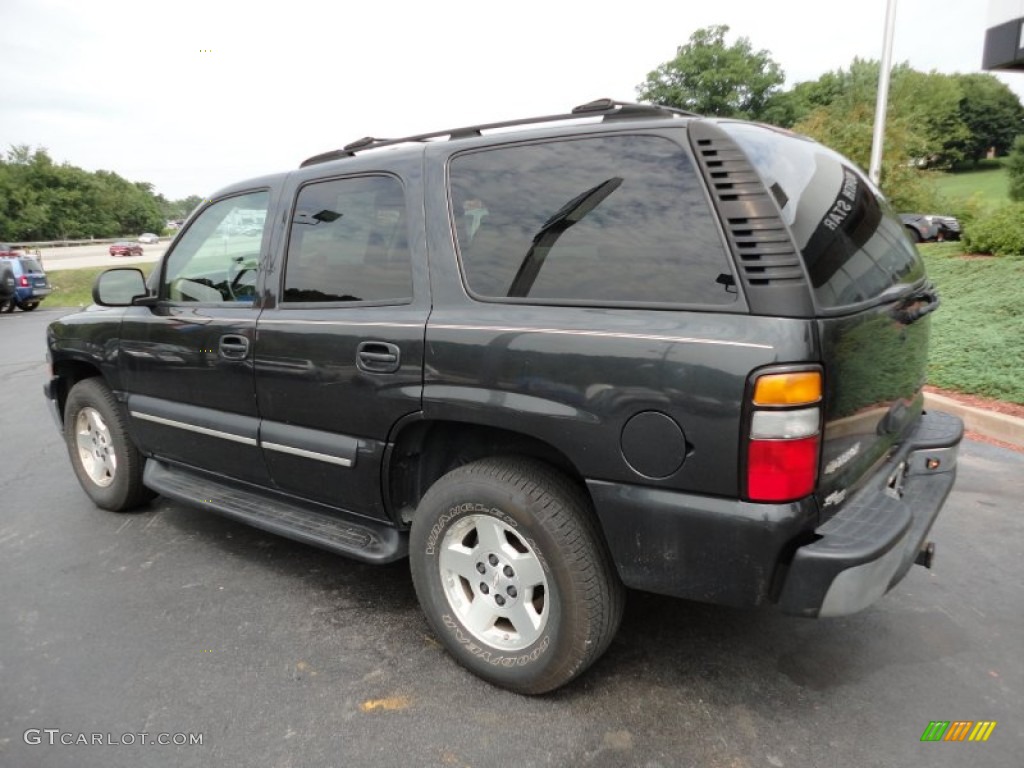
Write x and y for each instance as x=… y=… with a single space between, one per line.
x=598 y=220
x=853 y=244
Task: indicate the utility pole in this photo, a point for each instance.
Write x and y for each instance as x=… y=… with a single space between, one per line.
x=882 y=104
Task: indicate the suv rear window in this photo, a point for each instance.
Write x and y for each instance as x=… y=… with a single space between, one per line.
x=853 y=245
x=31 y=265
x=619 y=219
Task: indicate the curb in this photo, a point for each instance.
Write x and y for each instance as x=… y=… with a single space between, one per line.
x=991 y=424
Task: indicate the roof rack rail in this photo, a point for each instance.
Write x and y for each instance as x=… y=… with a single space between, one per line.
x=609 y=108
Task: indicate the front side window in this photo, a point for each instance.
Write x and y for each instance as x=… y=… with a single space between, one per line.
x=615 y=219
x=217 y=258
x=349 y=243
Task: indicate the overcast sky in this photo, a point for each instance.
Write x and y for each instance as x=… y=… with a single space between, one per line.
x=192 y=95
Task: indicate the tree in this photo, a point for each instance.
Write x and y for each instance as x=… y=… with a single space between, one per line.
x=187 y=204
x=846 y=125
x=930 y=101
x=711 y=78
x=1015 y=166
x=992 y=114
x=923 y=124
x=41 y=200
x=789 y=107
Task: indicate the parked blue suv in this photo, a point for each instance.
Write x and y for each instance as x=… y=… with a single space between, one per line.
x=30 y=283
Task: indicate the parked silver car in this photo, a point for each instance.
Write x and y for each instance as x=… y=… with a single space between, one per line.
x=929 y=227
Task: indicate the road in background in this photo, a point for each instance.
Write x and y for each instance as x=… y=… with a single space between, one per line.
x=76 y=256
x=173 y=620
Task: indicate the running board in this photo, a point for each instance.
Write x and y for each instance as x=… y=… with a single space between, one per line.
x=358 y=538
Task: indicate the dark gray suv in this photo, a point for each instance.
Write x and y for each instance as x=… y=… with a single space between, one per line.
x=546 y=360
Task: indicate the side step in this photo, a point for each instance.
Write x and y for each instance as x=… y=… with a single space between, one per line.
x=358 y=538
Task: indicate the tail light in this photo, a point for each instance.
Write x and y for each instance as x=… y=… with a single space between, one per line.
x=784 y=435
x=23 y=281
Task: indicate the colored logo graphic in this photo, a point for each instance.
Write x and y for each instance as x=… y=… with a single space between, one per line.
x=958 y=730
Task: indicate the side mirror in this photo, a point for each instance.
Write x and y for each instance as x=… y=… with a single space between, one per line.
x=119 y=287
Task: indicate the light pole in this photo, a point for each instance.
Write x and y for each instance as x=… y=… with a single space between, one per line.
x=878 y=139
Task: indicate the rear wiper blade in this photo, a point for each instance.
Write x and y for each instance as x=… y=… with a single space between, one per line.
x=552 y=229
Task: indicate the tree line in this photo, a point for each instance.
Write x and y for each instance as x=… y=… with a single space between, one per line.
x=44 y=200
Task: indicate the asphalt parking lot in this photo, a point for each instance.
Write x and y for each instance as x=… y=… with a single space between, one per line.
x=172 y=621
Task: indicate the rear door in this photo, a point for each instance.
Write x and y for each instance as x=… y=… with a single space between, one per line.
x=339 y=354
x=872 y=300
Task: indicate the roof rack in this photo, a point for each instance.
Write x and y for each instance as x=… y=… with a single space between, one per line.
x=608 y=108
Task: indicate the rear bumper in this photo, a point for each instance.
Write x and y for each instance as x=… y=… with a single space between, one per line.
x=715 y=550
x=33 y=293
x=870 y=544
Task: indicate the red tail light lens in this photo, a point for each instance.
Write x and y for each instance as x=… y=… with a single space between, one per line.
x=23 y=281
x=781 y=470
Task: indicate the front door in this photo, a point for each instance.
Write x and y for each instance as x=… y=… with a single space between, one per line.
x=339 y=359
x=187 y=363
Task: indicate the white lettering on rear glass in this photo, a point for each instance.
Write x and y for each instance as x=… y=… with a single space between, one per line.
x=841 y=208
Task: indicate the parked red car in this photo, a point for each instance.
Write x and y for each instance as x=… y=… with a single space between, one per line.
x=126 y=249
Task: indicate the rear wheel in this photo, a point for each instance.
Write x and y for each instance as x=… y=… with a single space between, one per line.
x=7 y=305
x=914 y=234
x=106 y=461
x=513 y=575
x=28 y=306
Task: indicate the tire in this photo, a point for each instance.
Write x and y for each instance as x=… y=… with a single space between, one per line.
x=7 y=305
x=513 y=575
x=106 y=461
x=28 y=306
x=914 y=234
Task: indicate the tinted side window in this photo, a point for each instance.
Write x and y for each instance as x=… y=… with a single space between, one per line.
x=216 y=259
x=348 y=242
x=853 y=245
x=611 y=219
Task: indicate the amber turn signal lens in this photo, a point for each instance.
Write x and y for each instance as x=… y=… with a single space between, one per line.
x=800 y=388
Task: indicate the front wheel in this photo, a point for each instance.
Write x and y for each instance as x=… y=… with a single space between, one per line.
x=106 y=461
x=513 y=575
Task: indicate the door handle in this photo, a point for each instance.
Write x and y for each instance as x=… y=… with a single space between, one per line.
x=378 y=357
x=233 y=347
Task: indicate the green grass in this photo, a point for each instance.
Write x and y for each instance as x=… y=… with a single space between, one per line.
x=73 y=287
x=991 y=185
x=977 y=339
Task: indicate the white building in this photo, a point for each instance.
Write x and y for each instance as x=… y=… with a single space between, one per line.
x=1004 y=37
